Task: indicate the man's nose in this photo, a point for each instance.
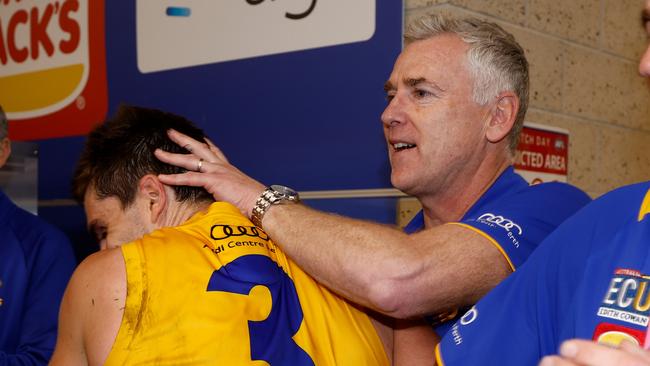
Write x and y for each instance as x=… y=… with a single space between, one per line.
x=644 y=65
x=394 y=112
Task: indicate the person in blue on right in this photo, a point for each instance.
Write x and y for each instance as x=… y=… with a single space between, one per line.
x=590 y=279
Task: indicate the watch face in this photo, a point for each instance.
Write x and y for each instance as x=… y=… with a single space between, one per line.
x=286 y=192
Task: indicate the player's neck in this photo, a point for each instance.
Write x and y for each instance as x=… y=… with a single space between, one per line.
x=452 y=203
x=182 y=211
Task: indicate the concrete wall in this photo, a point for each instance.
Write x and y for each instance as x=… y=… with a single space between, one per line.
x=584 y=57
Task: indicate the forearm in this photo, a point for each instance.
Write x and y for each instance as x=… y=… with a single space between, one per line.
x=359 y=260
x=382 y=268
x=414 y=343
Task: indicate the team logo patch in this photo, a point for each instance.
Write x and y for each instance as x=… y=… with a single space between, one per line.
x=513 y=229
x=613 y=334
x=500 y=221
x=627 y=298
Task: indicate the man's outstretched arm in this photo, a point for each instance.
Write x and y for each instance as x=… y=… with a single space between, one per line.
x=382 y=268
x=374 y=265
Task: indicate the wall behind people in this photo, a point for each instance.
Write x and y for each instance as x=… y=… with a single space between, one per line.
x=291 y=90
x=584 y=58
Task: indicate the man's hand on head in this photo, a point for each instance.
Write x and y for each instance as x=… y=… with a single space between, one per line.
x=209 y=168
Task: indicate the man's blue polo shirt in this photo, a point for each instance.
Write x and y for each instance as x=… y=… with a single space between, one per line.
x=515 y=217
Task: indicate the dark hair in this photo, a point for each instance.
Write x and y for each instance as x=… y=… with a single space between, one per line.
x=121 y=151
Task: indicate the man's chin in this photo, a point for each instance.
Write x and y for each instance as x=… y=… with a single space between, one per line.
x=402 y=184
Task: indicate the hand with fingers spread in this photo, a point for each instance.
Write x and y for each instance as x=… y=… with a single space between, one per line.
x=209 y=168
x=581 y=352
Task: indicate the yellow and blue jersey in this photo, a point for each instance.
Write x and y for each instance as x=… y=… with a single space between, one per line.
x=589 y=279
x=217 y=291
x=515 y=217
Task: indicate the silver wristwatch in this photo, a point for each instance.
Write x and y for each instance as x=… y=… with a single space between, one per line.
x=272 y=195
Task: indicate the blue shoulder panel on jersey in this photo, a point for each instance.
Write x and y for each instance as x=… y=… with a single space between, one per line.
x=518 y=216
x=588 y=280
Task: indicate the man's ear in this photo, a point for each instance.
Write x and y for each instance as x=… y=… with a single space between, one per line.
x=503 y=116
x=153 y=191
x=5 y=151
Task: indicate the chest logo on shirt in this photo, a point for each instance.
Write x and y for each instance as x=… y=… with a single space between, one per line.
x=613 y=334
x=627 y=298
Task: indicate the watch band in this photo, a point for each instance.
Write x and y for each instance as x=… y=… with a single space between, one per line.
x=272 y=195
x=261 y=205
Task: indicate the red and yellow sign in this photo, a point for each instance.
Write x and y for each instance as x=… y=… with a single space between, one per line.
x=542 y=153
x=52 y=67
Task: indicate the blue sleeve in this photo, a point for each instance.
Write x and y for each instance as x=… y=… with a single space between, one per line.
x=49 y=263
x=517 y=224
x=513 y=324
x=532 y=311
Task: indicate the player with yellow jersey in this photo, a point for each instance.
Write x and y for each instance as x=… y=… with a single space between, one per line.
x=196 y=282
x=220 y=288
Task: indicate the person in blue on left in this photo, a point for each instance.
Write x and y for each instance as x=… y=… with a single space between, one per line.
x=36 y=261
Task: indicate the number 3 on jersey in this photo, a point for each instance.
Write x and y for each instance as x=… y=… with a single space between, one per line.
x=271 y=339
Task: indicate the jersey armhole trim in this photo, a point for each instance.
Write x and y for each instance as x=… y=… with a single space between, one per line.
x=133 y=262
x=489 y=238
x=645 y=206
x=438 y=356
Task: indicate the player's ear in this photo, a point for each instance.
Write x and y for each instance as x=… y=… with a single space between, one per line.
x=153 y=192
x=502 y=117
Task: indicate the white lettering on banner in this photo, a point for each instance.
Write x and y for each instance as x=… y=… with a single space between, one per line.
x=210 y=31
x=500 y=221
x=623 y=316
x=555 y=162
x=542 y=141
x=628 y=284
x=628 y=293
x=532 y=159
x=612 y=291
